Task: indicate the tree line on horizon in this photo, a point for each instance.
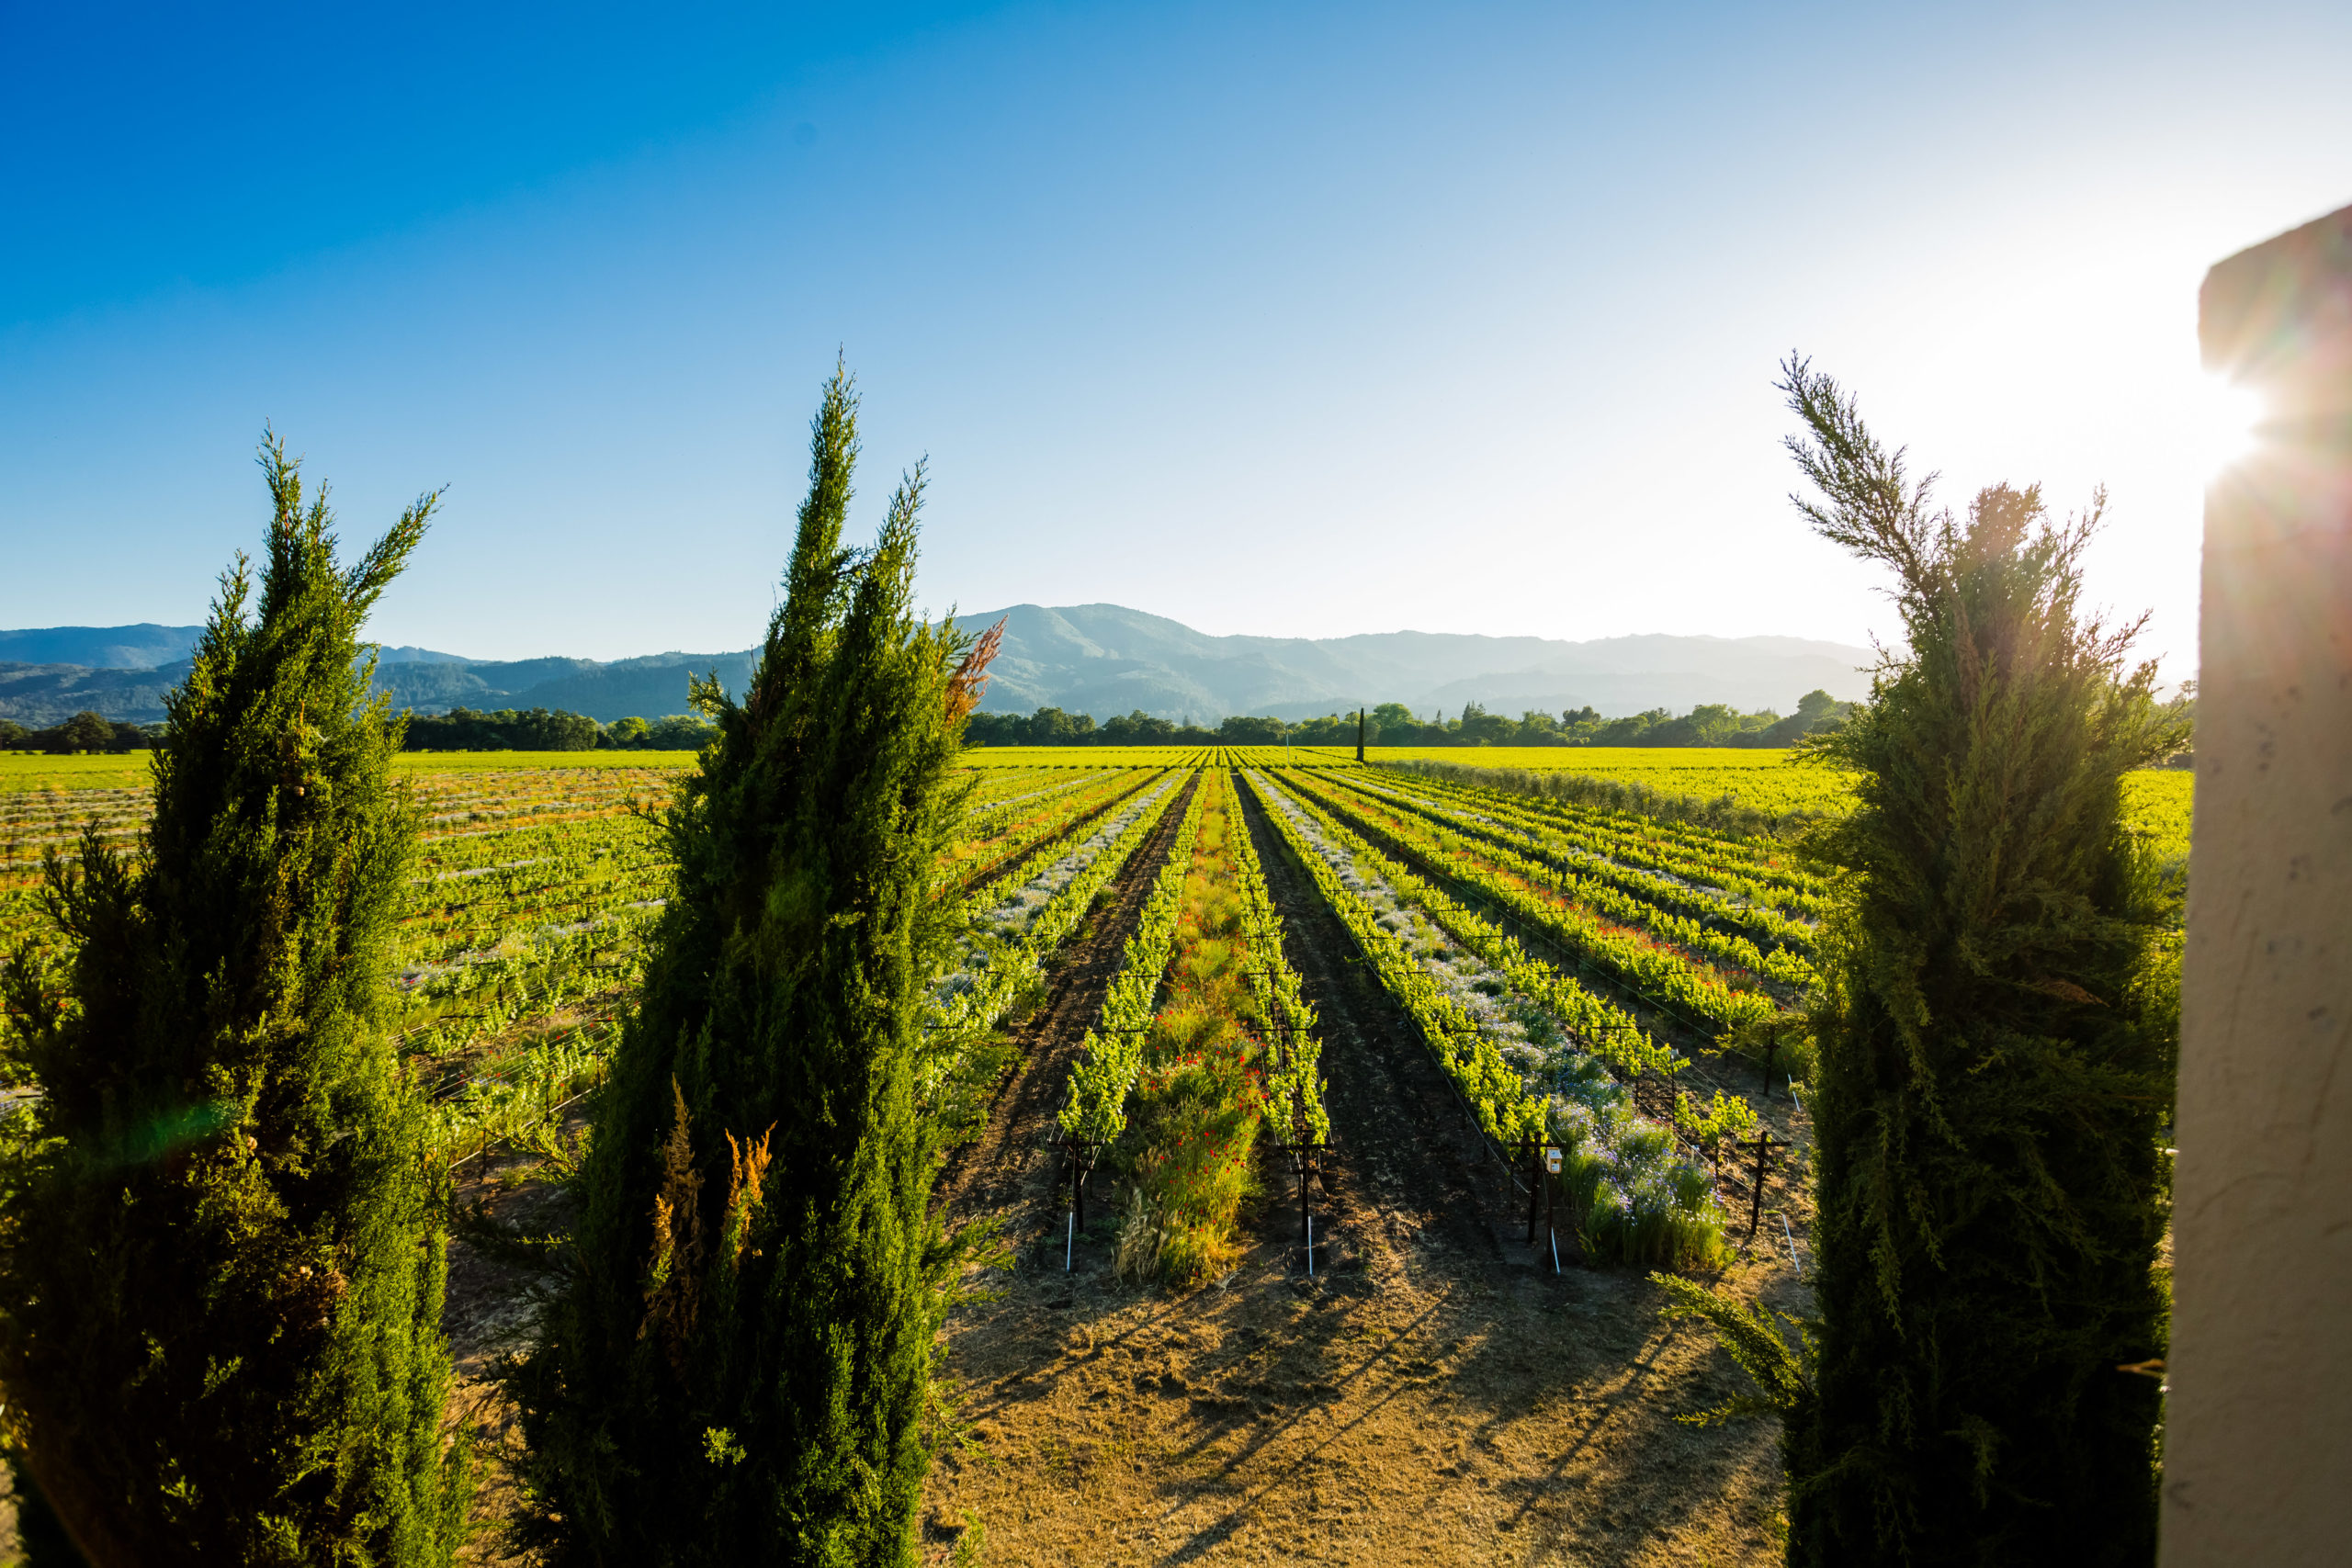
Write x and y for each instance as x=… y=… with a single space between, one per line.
x=1390 y=723
x=459 y=729
x=1394 y=724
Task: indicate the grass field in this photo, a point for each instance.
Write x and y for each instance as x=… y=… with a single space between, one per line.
x=33 y=770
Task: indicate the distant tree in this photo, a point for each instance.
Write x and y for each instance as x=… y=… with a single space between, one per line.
x=12 y=734
x=680 y=732
x=997 y=730
x=1388 y=719
x=626 y=735
x=1135 y=729
x=86 y=731
x=1051 y=726
x=1995 y=1048
x=535 y=730
x=740 y=1366
x=1817 y=710
x=1633 y=729
x=221 y=1278
x=1576 y=719
x=1250 y=729
x=1480 y=727
x=1330 y=730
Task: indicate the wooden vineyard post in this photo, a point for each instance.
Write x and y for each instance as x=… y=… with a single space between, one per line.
x=1764 y=1146
x=1535 y=1151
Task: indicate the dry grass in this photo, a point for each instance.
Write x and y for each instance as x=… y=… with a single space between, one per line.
x=1415 y=1404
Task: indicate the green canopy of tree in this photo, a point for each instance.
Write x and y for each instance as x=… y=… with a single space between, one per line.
x=1996 y=1039
x=738 y=1368
x=220 y=1278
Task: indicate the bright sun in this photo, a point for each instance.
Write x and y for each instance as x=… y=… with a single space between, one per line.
x=2227 y=417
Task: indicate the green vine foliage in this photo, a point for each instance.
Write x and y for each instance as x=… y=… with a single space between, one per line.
x=221 y=1273
x=740 y=1366
x=1996 y=1059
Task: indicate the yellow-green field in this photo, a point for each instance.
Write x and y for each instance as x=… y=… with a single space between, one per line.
x=2158 y=800
x=33 y=770
x=1097 y=757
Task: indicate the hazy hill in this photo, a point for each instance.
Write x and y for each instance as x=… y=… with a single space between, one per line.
x=1103 y=659
x=1098 y=659
x=144 y=647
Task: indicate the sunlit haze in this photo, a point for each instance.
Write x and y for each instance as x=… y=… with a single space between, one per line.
x=1298 y=320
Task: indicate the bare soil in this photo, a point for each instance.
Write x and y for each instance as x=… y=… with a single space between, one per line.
x=1435 y=1393
x=491 y=1309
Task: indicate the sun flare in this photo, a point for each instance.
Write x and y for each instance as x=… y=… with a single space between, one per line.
x=2227 y=423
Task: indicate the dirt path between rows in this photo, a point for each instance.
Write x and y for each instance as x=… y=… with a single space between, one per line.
x=1434 y=1394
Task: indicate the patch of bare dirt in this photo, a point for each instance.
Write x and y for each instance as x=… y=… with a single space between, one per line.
x=491 y=1309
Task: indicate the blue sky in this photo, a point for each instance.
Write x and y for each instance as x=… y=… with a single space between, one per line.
x=1296 y=318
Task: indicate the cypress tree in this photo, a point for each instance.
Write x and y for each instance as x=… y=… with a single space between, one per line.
x=1995 y=1068
x=737 y=1368
x=220 y=1272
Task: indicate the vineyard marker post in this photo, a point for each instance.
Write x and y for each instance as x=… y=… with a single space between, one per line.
x=1306 y=1159
x=1079 y=1154
x=1764 y=1146
x=1535 y=1151
x=1553 y=1158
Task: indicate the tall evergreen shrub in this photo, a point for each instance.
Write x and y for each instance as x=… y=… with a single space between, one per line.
x=739 y=1369
x=220 y=1261
x=1997 y=1057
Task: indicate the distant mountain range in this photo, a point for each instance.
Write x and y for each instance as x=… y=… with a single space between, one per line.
x=144 y=647
x=1097 y=659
